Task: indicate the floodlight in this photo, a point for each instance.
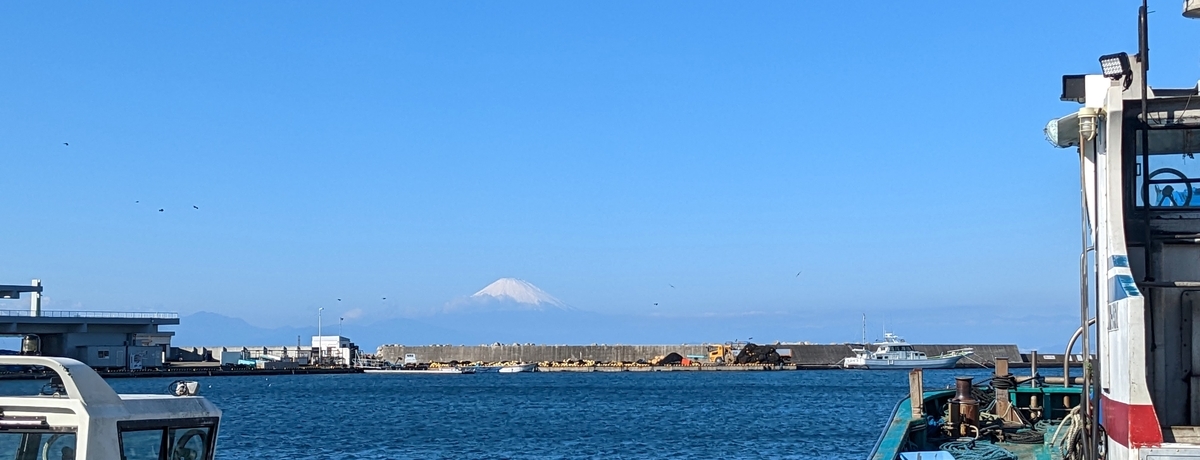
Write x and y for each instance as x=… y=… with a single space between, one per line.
x=1115 y=65
x=1073 y=88
x=1191 y=9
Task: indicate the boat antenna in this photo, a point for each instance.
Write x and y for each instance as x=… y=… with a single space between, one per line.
x=865 y=330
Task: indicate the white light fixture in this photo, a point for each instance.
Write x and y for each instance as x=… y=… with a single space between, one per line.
x=1115 y=65
x=1191 y=9
x=185 y=388
x=1088 y=117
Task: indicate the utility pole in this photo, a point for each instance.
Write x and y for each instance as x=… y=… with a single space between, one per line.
x=320 y=339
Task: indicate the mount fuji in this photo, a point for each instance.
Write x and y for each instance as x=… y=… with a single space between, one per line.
x=509 y=294
x=520 y=292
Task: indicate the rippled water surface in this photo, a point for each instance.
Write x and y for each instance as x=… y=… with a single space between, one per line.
x=692 y=415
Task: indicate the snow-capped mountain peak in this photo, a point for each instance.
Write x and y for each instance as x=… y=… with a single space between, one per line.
x=519 y=291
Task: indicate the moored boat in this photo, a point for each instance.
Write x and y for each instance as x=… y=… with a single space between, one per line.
x=430 y=370
x=894 y=353
x=507 y=368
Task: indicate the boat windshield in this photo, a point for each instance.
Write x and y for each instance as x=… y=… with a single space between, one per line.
x=37 y=445
x=148 y=440
x=1174 y=179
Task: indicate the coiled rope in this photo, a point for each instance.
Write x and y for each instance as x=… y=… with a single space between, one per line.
x=970 y=449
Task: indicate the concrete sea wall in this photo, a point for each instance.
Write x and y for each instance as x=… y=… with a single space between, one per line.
x=805 y=355
x=536 y=353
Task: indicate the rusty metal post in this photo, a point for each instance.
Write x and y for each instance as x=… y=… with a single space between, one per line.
x=916 y=393
x=968 y=407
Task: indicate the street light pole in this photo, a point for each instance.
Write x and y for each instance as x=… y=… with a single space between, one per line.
x=320 y=340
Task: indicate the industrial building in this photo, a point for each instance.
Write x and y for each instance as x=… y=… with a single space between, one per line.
x=101 y=339
x=329 y=350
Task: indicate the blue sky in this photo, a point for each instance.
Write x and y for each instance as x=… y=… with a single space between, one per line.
x=602 y=151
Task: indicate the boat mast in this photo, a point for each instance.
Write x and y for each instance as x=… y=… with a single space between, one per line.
x=865 y=329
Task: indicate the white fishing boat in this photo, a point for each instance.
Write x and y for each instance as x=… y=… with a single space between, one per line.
x=431 y=370
x=894 y=353
x=507 y=368
x=78 y=416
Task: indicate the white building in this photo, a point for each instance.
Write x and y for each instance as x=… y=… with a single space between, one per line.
x=333 y=348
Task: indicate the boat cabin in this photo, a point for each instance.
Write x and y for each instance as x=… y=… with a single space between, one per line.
x=78 y=416
x=893 y=347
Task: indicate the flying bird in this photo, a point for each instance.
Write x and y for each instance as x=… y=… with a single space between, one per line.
x=160 y=209
x=656 y=303
x=195 y=207
x=672 y=285
x=798 y=273
x=137 y=201
x=66 y=144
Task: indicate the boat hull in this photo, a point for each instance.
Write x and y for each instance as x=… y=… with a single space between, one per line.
x=509 y=369
x=930 y=363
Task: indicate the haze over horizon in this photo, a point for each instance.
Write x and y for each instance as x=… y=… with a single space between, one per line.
x=807 y=162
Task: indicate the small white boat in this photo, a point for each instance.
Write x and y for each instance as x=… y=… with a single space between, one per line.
x=894 y=353
x=432 y=370
x=78 y=416
x=507 y=368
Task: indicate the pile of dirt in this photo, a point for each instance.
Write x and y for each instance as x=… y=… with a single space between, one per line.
x=758 y=354
x=672 y=358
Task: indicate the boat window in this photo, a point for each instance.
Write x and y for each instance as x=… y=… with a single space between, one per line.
x=37 y=446
x=141 y=444
x=171 y=439
x=1174 y=173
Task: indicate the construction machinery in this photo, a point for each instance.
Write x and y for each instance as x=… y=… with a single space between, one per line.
x=723 y=353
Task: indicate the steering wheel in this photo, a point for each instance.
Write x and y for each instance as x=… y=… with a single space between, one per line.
x=50 y=442
x=1187 y=183
x=181 y=452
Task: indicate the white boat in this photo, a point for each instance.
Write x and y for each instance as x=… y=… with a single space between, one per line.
x=432 y=370
x=507 y=368
x=78 y=416
x=894 y=353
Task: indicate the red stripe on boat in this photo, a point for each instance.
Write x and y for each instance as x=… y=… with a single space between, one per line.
x=1130 y=425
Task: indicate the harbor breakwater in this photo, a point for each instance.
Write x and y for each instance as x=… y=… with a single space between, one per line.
x=802 y=354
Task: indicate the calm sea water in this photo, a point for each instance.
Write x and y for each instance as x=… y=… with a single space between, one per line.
x=687 y=415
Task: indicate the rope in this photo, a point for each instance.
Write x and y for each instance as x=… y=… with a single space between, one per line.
x=1026 y=437
x=971 y=449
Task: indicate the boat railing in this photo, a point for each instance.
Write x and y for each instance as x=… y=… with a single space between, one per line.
x=886 y=425
x=957 y=352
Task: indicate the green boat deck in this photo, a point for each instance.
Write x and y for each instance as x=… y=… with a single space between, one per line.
x=904 y=433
